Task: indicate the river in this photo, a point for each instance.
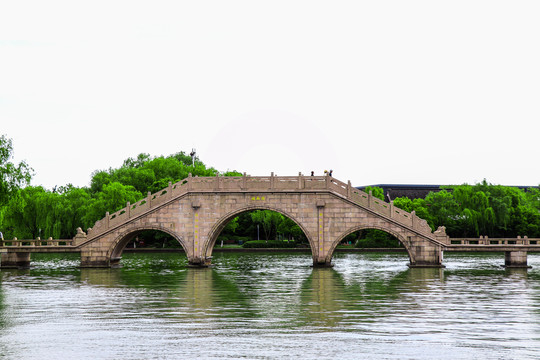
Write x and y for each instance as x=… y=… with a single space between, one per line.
x=271 y=306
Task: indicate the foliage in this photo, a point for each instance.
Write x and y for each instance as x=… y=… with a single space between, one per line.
x=113 y=197
x=265 y=244
x=12 y=176
x=34 y=212
x=372 y=238
x=146 y=173
x=376 y=191
x=481 y=209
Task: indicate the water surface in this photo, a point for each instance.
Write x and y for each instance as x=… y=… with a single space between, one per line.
x=271 y=306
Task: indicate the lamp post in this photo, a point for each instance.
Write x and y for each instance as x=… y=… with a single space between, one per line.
x=192 y=154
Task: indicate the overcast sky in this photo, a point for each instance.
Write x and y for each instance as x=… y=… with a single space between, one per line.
x=414 y=92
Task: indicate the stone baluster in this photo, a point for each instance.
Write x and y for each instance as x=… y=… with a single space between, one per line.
x=128 y=209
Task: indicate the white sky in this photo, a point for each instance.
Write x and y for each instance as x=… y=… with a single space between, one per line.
x=418 y=92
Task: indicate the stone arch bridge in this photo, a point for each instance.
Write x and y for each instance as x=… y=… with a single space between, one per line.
x=196 y=209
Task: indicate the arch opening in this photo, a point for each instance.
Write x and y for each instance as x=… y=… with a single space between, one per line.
x=258 y=227
x=371 y=237
x=146 y=238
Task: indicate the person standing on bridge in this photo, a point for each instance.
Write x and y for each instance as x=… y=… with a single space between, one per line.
x=330 y=173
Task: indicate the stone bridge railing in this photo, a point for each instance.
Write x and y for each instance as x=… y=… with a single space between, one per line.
x=270 y=183
x=50 y=242
x=484 y=240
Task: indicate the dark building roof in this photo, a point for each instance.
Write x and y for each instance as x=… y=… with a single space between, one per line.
x=414 y=191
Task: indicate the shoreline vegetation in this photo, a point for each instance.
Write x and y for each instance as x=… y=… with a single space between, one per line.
x=241 y=249
x=29 y=212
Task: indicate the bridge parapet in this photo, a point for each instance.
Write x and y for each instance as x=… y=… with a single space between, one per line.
x=50 y=242
x=484 y=240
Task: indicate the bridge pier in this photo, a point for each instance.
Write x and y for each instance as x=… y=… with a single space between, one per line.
x=322 y=264
x=515 y=259
x=426 y=256
x=15 y=260
x=199 y=261
x=91 y=261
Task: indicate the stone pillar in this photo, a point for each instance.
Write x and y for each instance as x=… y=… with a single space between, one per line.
x=319 y=259
x=92 y=260
x=15 y=260
x=515 y=259
x=425 y=254
x=95 y=254
x=195 y=256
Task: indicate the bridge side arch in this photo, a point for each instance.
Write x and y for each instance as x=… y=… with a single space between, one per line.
x=117 y=247
x=397 y=234
x=220 y=224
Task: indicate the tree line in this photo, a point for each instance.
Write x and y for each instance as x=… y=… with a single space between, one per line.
x=28 y=212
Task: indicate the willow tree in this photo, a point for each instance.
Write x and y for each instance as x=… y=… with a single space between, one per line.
x=12 y=176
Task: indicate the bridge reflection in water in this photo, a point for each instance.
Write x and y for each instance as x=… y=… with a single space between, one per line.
x=270 y=306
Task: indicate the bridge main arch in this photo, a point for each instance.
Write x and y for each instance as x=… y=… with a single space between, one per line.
x=220 y=224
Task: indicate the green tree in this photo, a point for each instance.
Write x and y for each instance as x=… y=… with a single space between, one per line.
x=376 y=191
x=25 y=213
x=12 y=176
x=268 y=220
x=113 y=198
